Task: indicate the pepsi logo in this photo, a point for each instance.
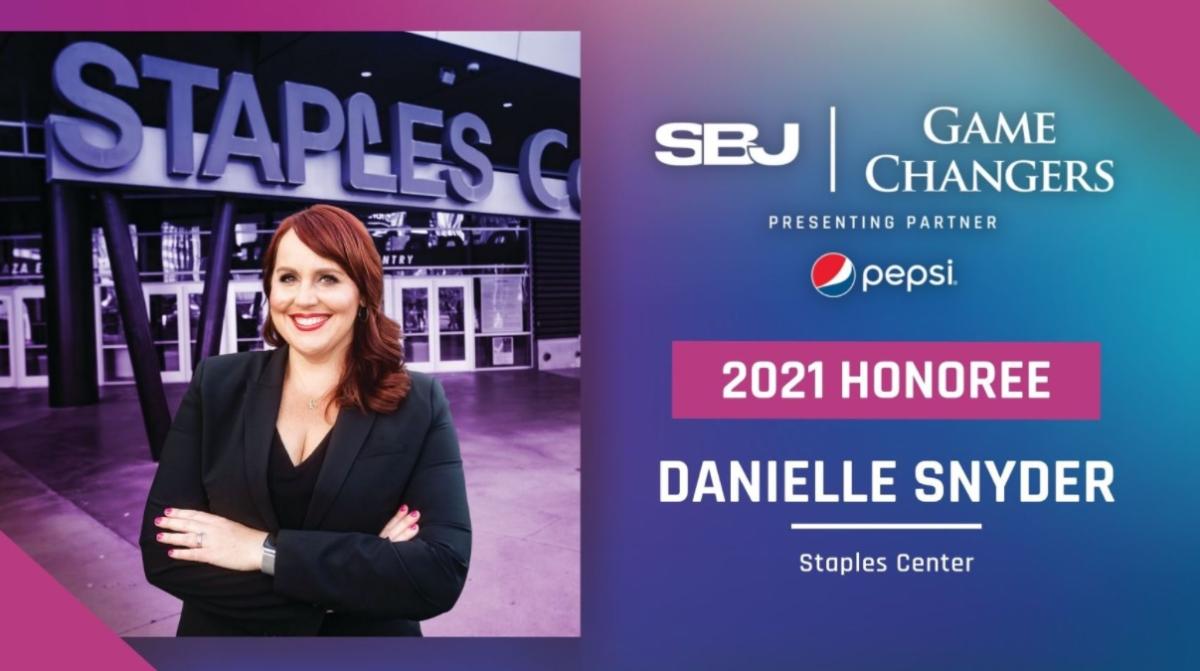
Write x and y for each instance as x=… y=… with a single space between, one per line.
x=833 y=275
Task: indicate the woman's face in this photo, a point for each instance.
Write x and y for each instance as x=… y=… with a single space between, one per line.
x=313 y=301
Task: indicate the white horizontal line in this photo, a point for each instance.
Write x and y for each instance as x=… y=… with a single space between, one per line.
x=885 y=526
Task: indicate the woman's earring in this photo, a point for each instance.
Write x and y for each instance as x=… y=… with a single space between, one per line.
x=362 y=314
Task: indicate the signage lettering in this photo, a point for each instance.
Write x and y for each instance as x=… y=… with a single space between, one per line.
x=347 y=126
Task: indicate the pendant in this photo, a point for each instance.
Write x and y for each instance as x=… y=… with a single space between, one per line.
x=312 y=404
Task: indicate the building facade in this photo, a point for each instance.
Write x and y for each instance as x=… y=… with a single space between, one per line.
x=463 y=162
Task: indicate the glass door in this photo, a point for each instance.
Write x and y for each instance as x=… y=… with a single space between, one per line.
x=6 y=349
x=455 y=327
x=112 y=355
x=168 y=325
x=245 y=314
x=32 y=359
x=193 y=297
x=410 y=306
x=438 y=321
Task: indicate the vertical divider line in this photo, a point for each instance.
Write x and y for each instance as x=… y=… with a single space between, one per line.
x=832 y=149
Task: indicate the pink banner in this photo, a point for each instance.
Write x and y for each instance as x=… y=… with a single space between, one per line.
x=45 y=627
x=885 y=380
x=1150 y=40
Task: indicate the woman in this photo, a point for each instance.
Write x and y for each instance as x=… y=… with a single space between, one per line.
x=315 y=489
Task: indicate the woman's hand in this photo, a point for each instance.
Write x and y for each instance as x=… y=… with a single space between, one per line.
x=402 y=526
x=211 y=539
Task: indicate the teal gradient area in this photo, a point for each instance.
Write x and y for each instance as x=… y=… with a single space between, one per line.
x=685 y=254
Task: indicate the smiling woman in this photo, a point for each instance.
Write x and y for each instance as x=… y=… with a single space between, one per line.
x=324 y=282
x=289 y=492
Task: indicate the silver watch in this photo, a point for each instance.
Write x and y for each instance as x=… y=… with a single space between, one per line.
x=268 y=558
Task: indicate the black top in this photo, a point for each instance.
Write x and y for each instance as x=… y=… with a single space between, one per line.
x=216 y=458
x=292 y=486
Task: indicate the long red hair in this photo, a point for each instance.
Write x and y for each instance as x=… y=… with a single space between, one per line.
x=374 y=376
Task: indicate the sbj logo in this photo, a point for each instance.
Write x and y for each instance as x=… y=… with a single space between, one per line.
x=690 y=144
x=833 y=275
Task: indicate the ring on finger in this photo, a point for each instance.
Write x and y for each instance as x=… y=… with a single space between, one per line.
x=200 y=539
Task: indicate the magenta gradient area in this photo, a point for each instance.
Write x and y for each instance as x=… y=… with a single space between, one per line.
x=277 y=15
x=885 y=380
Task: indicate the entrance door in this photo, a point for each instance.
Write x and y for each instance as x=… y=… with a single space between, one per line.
x=113 y=361
x=7 y=359
x=193 y=297
x=168 y=329
x=438 y=320
x=31 y=357
x=171 y=309
x=410 y=307
x=245 y=314
x=455 y=324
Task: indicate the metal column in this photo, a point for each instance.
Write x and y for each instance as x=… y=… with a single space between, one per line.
x=216 y=283
x=132 y=305
x=67 y=251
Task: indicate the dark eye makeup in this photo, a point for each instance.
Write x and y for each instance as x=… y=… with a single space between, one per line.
x=327 y=278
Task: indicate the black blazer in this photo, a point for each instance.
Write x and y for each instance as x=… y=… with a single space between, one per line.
x=334 y=576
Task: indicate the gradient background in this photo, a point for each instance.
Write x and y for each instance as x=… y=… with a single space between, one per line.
x=675 y=254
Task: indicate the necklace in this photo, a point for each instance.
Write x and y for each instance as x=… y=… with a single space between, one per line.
x=314 y=401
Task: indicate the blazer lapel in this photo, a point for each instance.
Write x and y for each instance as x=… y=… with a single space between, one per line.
x=262 y=410
x=349 y=433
